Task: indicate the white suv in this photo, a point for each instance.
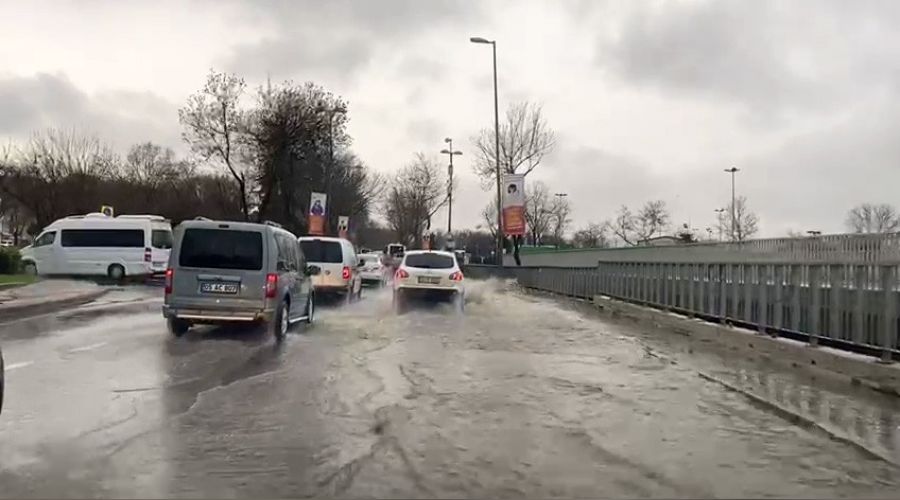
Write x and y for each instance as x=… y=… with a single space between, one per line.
x=431 y=275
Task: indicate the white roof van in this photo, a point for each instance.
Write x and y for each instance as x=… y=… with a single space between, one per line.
x=98 y=245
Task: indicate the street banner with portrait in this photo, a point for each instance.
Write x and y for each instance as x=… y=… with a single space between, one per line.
x=343 y=226
x=317 y=213
x=513 y=204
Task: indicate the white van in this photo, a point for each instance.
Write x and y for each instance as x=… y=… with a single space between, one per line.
x=339 y=266
x=98 y=245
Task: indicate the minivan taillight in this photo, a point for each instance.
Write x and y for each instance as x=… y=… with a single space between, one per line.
x=271 y=285
x=170 y=276
x=457 y=276
x=345 y=273
x=148 y=255
x=402 y=274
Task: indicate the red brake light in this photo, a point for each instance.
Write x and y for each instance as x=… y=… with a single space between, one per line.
x=345 y=273
x=147 y=255
x=170 y=274
x=271 y=285
x=402 y=274
x=457 y=276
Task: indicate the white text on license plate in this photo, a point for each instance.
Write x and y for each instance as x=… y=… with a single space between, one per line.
x=218 y=287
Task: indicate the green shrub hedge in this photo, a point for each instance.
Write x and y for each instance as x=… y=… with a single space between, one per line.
x=10 y=260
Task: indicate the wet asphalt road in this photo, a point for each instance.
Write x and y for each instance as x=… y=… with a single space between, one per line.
x=521 y=396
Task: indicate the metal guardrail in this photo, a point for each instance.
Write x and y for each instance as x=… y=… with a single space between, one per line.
x=839 y=248
x=850 y=306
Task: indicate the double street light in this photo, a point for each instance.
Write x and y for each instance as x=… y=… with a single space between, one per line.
x=449 y=151
x=732 y=171
x=493 y=44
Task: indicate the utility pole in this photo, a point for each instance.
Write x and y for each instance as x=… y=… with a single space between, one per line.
x=329 y=203
x=449 y=151
x=493 y=44
x=732 y=171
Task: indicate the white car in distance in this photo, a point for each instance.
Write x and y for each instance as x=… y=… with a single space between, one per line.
x=372 y=270
x=430 y=275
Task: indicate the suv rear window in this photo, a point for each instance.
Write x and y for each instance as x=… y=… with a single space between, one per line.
x=429 y=261
x=328 y=252
x=221 y=249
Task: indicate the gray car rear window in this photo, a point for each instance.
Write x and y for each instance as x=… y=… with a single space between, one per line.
x=221 y=249
x=429 y=261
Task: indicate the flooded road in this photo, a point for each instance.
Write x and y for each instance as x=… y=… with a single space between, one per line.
x=521 y=396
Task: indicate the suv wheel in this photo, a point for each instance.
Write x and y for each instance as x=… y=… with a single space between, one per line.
x=282 y=322
x=177 y=327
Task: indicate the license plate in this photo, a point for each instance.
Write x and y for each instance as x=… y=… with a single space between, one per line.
x=225 y=288
x=427 y=280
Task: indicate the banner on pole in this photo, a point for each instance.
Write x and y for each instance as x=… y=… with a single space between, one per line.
x=343 y=226
x=513 y=204
x=317 y=213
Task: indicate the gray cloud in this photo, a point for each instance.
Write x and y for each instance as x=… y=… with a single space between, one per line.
x=771 y=57
x=339 y=37
x=120 y=118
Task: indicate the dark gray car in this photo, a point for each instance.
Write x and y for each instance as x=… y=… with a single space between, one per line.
x=237 y=272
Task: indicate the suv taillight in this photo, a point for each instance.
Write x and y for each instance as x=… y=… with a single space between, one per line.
x=271 y=285
x=457 y=276
x=170 y=276
x=402 y=274
x=345 y=273
x=148 y=255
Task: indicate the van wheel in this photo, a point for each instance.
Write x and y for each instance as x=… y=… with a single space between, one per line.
x=282 y=322
x=30 y=269
x=177 y=327
x=116 y=272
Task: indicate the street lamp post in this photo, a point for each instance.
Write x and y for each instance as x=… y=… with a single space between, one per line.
x=331 y=112
x=719 y=212
x=449 y=151
x=732 y=171
x=493 y=44
x=559 y=196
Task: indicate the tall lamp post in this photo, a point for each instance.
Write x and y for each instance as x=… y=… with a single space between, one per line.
x=449 y=151
x=331 y=112
x=493 y=44
x=732 y=171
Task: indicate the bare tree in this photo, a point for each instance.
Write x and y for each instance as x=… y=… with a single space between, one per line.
x=417 y=192
x=525 y=138
x=873 y=218
x=652 y=220
x=214 y=126
x=746 y=223
x=623 y=226
x=489 y=219
x=561 y=210
x=538 y=211
x=594 y=235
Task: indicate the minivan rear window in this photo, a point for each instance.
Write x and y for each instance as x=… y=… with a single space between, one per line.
x=429 y=261
x=221 y=249
x=328 y=252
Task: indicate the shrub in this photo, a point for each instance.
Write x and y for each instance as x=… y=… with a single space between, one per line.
x=10 y=260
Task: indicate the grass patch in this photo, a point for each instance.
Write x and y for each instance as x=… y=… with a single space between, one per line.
x=6 y=279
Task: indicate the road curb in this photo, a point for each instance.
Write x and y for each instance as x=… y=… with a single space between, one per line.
x=15 y=311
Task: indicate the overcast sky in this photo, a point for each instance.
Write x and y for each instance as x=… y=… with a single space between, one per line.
x=649 y=100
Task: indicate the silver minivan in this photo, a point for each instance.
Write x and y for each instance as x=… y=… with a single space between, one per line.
x=237 y=272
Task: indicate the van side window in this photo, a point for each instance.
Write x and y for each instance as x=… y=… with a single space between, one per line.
x=281 y=263
x=45 y=239
x=287 y=254
x=301 y=257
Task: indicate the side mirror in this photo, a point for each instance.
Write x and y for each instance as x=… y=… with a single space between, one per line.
x=313 y=270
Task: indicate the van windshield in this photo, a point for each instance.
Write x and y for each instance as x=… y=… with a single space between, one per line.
x=221 y=249
x=429 y=261
x=328 y=252
x=161 y=238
